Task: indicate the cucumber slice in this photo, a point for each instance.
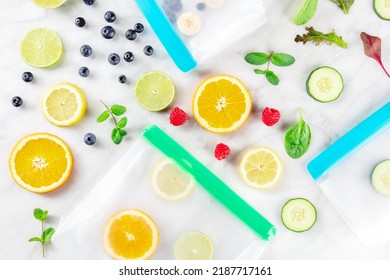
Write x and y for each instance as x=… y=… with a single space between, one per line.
x=380 y=177
x=325 y=84
x=299 y=214
x=382 y=9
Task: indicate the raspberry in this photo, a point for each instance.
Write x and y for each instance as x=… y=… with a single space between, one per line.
x=270 y=116
x=178 y=116
x=221 y=151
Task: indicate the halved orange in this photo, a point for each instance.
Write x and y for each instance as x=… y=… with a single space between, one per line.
x=41 y=162
x=221 y=104
x=130 y=235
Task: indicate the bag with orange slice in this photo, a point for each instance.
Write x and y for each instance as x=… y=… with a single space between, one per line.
x=149 y=207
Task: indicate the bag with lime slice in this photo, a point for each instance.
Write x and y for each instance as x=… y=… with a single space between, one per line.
x=192 y=30
x=196 y=216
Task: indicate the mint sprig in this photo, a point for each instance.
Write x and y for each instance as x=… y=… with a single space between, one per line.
x=277 y=59
x=46 y=234
x=118 y=132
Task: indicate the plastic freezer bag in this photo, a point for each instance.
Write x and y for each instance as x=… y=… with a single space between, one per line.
x=128 y=185
x=349 y=185
x=192 y=30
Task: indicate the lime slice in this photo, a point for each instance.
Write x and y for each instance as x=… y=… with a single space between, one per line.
x=194 y=246
x=154 y=91
x=170 y=182
x=64 y=104
x=41 y=48
x=49 y=4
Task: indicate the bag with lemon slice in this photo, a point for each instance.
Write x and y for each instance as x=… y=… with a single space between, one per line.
x=159 y=202
x=192 y=30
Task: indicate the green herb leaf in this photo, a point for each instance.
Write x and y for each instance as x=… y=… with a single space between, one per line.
x=122 y=132
x=282 y=59
x=103 y=116
x=116 y=136
x=47 y=234
x=306 y=12
x=271 y=77
x=297 y=139
x=257 y=58
x=118 y=110
x=259 y=72
x=35 y=239
x=40 y=214
x=318 y=37
x=122 y=122
x=345 y=5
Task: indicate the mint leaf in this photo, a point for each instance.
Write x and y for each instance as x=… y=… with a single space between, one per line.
x=47 y=234
x=122 y=132
x=118 y=110
x=271 y=77
x=282 y=59
x=259 y=72
x=345 y=5
x=306 y=12
x=103 y=116
x=40 y=214
x=122 y=122
x=256 y=58
x=35 y=239
x=116 y=136
x=318 y=37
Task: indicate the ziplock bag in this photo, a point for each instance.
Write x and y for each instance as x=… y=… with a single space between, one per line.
x=349 y=184
x=241 y=233
x=217 y=24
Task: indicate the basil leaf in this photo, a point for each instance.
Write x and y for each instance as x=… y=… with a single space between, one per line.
x=257 y=58
x=122 y=123
x=118 y=110
x=47 y=234
x=271 y=77
x=282 y=59
x=306 y=12
x=259 y=72
x=297 y=139
x=345 y=5
x=35 y=239
x=103 y=116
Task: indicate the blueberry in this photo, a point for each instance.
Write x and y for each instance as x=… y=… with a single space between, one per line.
x=114 y=59
x=128 y=56
x=89 y=2
x=27 y=77
x=139 y=27
x=17 y=101
x=171 y=16
x=131 y=35
x=110 y=16
x=148 y=50
x=201 y=6
x=174 y=5
x=86 y=50
x=80 y=22
x=84 y=72
x=122 y=79
x=108 y=32
x=89 y=139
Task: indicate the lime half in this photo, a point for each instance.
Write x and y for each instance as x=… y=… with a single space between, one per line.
x=194 y=246
x=49 y=4
x=154 y=91
x=41 y=48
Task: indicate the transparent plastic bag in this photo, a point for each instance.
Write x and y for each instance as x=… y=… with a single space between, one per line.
x=128 y=186
x=218 y=22
x=349 y=184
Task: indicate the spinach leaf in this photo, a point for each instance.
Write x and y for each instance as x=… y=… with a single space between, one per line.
x=297 y=139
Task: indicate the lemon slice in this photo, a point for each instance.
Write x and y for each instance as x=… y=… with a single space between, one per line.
x=154 y=91
x=170 y=182
x=41 y=48
x=194 y=246
x=49 y=4
x=261 y=167
x=64 y=104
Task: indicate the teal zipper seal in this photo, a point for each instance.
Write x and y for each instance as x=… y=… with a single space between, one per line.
x=211 y=183
x=350 y=142
x=167 y=35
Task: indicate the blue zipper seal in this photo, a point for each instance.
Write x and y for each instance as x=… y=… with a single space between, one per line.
x=350 y=142
x=167 y=35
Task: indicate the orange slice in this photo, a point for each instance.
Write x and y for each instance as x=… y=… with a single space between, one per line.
x=41 y=162
x=221 y=104
x=130 y=234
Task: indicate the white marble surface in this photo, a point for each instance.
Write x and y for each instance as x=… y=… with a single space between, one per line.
x=366 y=88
